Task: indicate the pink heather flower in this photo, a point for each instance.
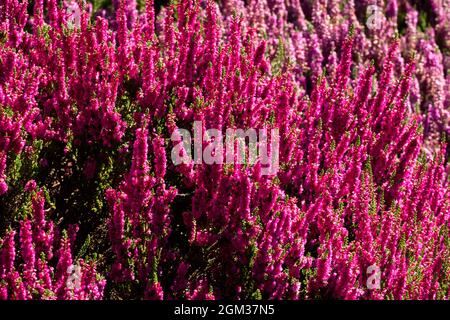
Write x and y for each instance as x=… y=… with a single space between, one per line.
x=30 y=186
x=3 y=187
x=154 y=292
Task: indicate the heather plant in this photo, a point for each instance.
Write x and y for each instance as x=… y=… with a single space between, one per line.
x=91 y=107
x=307 y=36
x=40 y=271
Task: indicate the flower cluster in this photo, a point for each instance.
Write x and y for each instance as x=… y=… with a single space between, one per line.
x=35 y=261
x=88 y=106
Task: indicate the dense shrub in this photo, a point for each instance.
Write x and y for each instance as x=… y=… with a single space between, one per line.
x=88 y=105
